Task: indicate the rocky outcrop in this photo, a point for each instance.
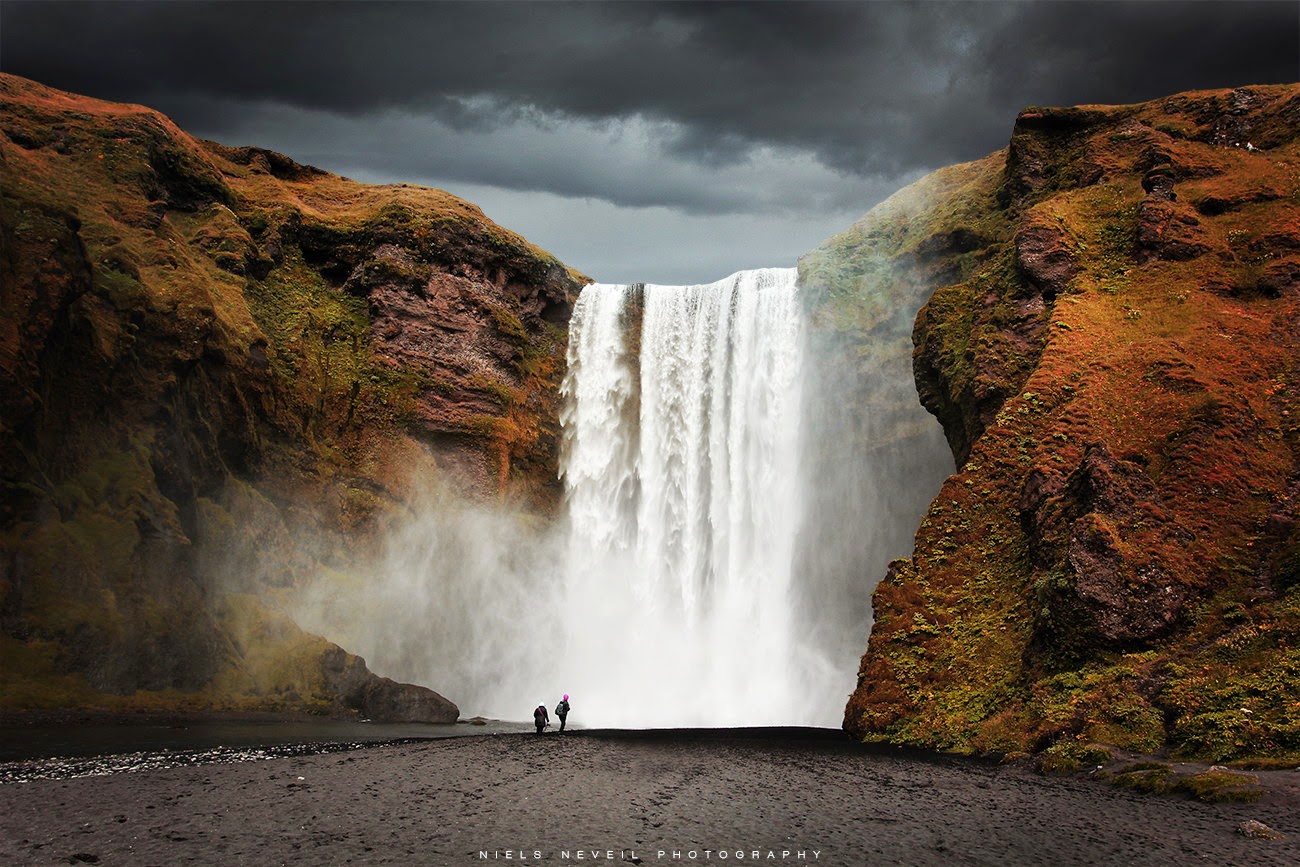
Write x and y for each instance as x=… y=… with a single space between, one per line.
x=1090 y=538
x=220 y=372
x=1114 y=362
x=385 y=699
x=380 y=698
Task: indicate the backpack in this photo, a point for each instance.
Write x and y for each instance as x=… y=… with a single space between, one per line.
x=562 y=708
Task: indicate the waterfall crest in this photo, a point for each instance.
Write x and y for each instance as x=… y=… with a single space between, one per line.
x=681 y=468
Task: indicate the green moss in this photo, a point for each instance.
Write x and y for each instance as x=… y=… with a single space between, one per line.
x=1129 y=723
x=509 y=325
x=123 y=290
x=504 y=394
x=273 y=660
x=1070 y=756
x=1216 y=786
x=30 y=677
x=1154 y=777
x=1287 y=571
x=313 y=329
x=486 y=426
x=1283 y=763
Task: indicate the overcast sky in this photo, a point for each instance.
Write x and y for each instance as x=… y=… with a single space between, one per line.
x=658 y=142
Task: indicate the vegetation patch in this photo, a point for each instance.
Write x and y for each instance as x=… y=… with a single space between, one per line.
x=1153 y=777
x=1070 y=756
x=1217 y=786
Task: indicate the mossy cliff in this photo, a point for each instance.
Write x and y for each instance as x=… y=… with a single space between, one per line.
x=1112 y=345
x=219 y=372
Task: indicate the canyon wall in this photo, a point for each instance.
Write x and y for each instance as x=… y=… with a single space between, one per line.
x=220 y=373
x=1110 y=343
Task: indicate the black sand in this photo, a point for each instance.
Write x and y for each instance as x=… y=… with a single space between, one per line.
x=650 y=797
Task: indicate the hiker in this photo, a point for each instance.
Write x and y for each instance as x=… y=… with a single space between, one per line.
x=540 y=718
x=562 y=710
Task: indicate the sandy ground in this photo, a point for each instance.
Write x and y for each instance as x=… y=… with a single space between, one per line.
x=648 y=798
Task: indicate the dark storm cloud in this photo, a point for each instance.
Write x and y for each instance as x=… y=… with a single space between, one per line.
x=867 y=88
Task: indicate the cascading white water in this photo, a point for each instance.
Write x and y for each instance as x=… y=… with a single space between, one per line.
x=681 y=467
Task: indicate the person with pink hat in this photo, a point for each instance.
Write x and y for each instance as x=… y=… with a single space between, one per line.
x=562 y=710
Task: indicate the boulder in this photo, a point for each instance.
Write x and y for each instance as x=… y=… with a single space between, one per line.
x=355 y=687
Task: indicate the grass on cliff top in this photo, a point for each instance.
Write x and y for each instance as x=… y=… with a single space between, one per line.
x=105 y=161
x=351 y=206
x=857 y=279
x=101 y=163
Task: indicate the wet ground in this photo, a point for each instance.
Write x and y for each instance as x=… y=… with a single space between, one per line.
x=657 y=797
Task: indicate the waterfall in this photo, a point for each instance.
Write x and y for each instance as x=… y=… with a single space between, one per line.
x=734 y=487
x=681 y=457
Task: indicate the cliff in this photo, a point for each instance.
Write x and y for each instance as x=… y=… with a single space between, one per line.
x=1110 y=343
x=220 y=372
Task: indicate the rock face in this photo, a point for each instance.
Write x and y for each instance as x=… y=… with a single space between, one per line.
x=1111 y=344
x=1095 y=528
x=219 y=372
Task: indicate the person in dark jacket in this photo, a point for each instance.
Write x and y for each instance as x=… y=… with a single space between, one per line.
x=562 y=710
x=540 y=718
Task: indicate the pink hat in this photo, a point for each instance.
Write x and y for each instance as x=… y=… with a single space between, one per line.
x=566 y=696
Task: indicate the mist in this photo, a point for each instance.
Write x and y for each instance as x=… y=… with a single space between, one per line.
x=873 y=459
x=463 y=598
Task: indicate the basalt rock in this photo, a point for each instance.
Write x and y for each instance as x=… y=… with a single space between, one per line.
x=390 y=701
x=1167 y=230
x=1045 y=259
x=1100 y=585
x=378 y=698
